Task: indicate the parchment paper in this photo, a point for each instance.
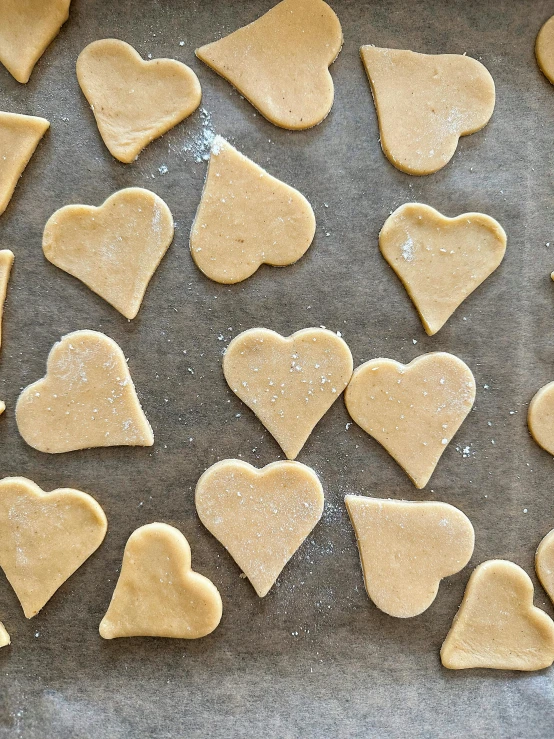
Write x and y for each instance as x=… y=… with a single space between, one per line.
x=314 y=658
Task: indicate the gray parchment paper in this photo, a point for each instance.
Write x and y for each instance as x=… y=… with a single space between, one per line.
x=314 y=658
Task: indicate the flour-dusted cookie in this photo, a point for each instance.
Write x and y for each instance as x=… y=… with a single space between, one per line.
x=247 y=218
x=280 y=62
x=544 y=49
x=260 y=516
x=4 y=636
x=425 y=102
x=540 y=417
x=134 y=101
x=115 y=248
x=26 y=28
x=407 y=548
x=6 y=262
x=413 y=410
x=19 y=137
x=45 y=538
x=440 y=260
x=87 y=399
x=289 y=383
x=157 y=593
x=497 y=625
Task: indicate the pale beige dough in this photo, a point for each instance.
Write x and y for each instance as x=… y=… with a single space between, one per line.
x=440 y=260
x=6 y=262
x=544 y=564
x=289 y=383
x=407 y=548
x=247 y=218
x=413 y=410
x=280 y=62
x=544 y=49
x=115 y=248
x=87 y=399
x=45 y=537
x=134 y=101
x=19 y=137
x=4 y=636
x=26 y=29
x=260 y=516
x=425 y=102
x=540 y=417
x=497 y=625
x=157 y=593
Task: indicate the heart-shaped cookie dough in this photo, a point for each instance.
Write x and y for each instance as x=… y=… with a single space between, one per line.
x=19 y=137
x=544 y=564
x=134 y=101
x=544 y=49
x=497 y=625
x=540 y=417
x=280 y=62
x=407 y=548
x=87 y=399
x=27 y=27
x=247 y=218
x=413 y=410
x=45 y=537
x=289 y=383
x=157 y=593
x=425 y=102
x=440 y=260
x=260 y=516
x=115 y=248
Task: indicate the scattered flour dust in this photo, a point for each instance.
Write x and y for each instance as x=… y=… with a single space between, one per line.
x=199 y=140
x=407 y=249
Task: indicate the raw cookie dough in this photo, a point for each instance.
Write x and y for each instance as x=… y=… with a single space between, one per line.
x=26 y=28
x=45 y=538
x=544 y=564
x=406 y=548
x=260 y=516
x=157 y=593
x=4 y=636
x=289 y=383
x=134 y=101
x=6 y=261
x=87 y=399
x=247 y=218
x=115 y=248
x=497 y=625
x=540 y=417
x=413 y=410
x=19 y=137
x=544 y=49
x=425 y=102
x=440 y=260
x=280 y=62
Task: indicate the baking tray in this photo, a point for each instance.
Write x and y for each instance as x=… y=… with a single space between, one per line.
x=315 y=657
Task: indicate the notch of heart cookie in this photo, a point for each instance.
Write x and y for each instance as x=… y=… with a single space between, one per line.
x=280 y=62
x=260 y=516
x=425 y=103
x=406 y=548
x=247 y=218
x=158 y=593
x=412 y=410
x=114 y=249
x=440 y=260
x=289 y=382
x=45 y=538
x=134 y=101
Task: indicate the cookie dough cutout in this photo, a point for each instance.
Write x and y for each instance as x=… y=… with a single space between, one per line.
x=115 y=248
x=289 y=383
x=544 y=564
x=544 y=49
x=158 y=594
x=4 y=636
x=540 y=417
x=407 y=548
x=134 y=101
x=247 y=218
x=6 y=262
x=280 y=62
x=412 y=410
x=425 y=102
x=440 y=260
x=87 y=399
x=260 y=516
x=497 y=625
x=27 y=27
x=19 y=137
x=45 y=538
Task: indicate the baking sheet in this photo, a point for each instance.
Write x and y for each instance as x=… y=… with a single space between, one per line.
x=315 y=657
